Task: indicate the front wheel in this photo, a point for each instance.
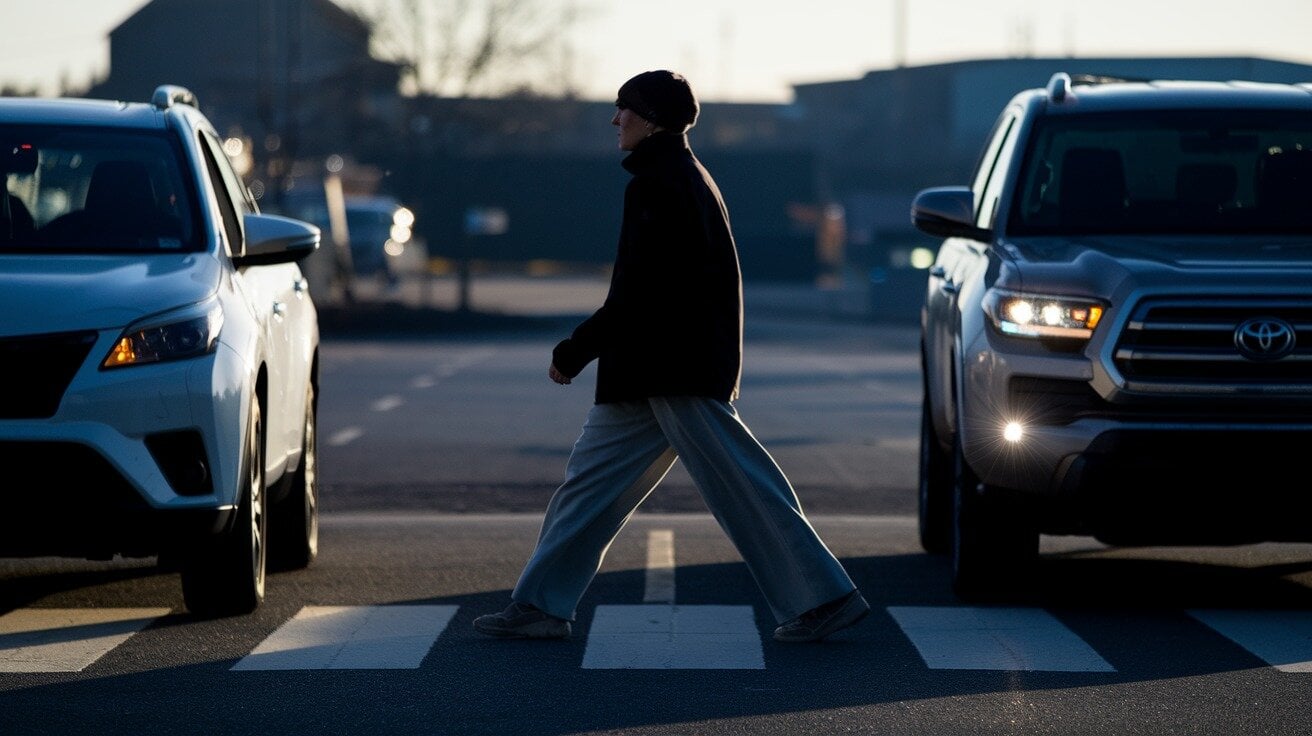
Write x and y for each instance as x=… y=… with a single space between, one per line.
x=935 y=487
x=994 y=542
x=294 y=519
x=225 y=576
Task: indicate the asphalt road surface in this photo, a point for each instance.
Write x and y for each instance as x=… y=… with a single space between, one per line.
x=438 y=454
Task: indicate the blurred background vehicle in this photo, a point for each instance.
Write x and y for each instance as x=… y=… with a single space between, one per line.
x=380 y=232
x=369 y=240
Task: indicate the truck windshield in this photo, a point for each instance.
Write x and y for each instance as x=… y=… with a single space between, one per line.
x=1166 y=172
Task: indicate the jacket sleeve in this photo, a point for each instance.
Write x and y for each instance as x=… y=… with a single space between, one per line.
x=574 y=353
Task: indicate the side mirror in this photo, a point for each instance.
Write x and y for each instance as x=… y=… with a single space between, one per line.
x=947 y=212
x=276 y=239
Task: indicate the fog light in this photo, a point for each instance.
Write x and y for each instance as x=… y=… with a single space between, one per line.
x=1012 y=432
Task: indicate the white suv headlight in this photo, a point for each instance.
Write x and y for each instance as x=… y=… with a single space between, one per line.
x=1037 y=315
x=175 y=335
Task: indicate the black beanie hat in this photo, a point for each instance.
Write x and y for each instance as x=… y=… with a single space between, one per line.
x=663 y=97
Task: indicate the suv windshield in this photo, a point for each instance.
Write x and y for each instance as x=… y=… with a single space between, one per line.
x=1163 y=172
x=91 y=190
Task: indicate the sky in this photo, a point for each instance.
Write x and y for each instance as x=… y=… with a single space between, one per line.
x=755 y=50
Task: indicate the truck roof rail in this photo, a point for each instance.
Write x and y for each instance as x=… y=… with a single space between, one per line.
x=1059 y=87
x=1061 y=83
x=167 y=95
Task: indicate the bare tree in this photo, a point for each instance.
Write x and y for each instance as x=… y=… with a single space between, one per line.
x=476 y=47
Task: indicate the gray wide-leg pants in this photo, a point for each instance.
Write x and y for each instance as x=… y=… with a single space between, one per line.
x=624 y=451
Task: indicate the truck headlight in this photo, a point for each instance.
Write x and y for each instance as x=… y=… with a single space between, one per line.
x=1036 y=315
x=175 y=335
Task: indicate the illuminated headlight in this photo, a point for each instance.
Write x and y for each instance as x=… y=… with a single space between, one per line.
x=184 y=333
x=1033 y=315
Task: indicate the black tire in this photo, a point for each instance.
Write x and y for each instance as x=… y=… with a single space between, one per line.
x=936 y=480
x=294 y=519
x=994 y=543
x=225 y=577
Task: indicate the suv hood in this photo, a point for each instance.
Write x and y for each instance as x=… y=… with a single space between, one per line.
x=64 y=293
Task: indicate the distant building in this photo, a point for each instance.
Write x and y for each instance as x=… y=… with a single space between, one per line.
x=553 y=166
x=294 y=75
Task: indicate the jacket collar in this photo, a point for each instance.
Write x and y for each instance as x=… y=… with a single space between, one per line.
x=653 y=149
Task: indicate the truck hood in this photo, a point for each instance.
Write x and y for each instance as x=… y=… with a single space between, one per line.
x=1108 y=265
x=65 y=293
x=1175 y=251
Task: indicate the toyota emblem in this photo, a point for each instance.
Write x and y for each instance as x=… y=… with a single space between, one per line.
x=1264 y=338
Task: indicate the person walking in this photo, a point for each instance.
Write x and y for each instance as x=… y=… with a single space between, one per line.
x=668 y=344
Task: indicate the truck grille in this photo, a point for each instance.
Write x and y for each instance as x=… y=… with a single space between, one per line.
x=1190 y=346
x=35 y=370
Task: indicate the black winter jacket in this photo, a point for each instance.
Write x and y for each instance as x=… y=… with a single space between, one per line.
x=671 y=324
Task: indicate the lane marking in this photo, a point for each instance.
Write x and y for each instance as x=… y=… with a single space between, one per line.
x=663 y=637
x=464 y=361
x=659 y=587
x=1009 y=639
x=351 y=638
x=1282 y=639
x=423 y=382
x=345 y=436
x=66 y=639
x=387 y=403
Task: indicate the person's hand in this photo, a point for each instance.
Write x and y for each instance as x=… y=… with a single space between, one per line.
x=557 y=376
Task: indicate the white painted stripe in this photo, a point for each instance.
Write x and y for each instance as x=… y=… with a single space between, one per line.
x=1282 y=639
x=351 y=638
x=1010 y=639
x=423 y=382
x=660 y=567
x=409 y=518
x=345 y=436
x=66 y=639
x=661 y=637
x=387 y=403
x=462 y=362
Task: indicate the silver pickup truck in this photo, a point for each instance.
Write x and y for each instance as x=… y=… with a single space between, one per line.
x=1117 y=330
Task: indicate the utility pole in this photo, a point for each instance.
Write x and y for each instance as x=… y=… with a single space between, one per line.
x=899 y=33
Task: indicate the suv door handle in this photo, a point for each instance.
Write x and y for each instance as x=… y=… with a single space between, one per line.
x=947 y=287
x=300 y=286
x=279 y=309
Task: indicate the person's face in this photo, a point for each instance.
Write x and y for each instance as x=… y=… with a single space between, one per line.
x=633 y=127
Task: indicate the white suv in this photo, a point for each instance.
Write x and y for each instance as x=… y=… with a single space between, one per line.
x=158 y=350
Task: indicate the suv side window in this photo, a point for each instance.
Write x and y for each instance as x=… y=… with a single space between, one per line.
x=989 y=158
x=223 y=195
x=1003 y=145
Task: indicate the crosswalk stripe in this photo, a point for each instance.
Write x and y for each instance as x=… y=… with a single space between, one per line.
x=659 y=586
x=649 y=636
x=66 y=639
x=1282 y=639
x=661 y=635
x=674 y=637
x=351 y=638
x=1010 y=639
